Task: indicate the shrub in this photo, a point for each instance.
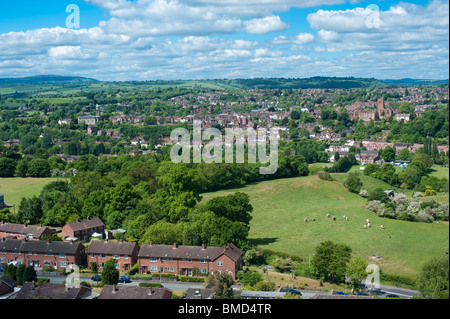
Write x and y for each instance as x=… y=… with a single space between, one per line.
x=265 y=286
x=374 y=206
x=423 y=217
x=324 y=176
x=192 y=279
x=247 y=277
x=353 y=183
x=44 y=280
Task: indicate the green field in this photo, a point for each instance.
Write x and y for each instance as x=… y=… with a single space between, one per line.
x=439 y=172
x=16 y=188
x=280 y=207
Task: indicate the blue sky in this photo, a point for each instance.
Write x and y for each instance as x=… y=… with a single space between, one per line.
x=186 y=39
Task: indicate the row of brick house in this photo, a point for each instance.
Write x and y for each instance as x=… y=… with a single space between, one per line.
x=170 y=259
x=80 y=230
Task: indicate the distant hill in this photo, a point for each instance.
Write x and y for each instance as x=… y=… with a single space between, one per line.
x=306 y=83
x=46 y=79
x=409 y=81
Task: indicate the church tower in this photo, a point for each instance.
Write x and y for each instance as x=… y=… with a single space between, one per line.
x=380 y=108
x=97 y=112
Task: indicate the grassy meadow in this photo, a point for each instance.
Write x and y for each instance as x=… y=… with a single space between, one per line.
x=15 y=188
x=280 y=207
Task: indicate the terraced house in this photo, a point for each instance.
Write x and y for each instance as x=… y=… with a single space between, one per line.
x=186 y=260
x=39 y=253
x=21 y=231
x=124 y=252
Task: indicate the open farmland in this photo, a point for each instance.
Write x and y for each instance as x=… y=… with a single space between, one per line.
x=280 y=207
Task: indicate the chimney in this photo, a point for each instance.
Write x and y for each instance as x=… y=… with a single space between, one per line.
x=175 y=246
x=33 y=285
x=121 y=240
x=3 y=222
x=150 y=291
x=150 y=243
x=203 y=246
x=25 y=224
x=114 y=289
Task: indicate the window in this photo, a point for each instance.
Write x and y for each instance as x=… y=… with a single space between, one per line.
x=189 y=260
x=154 y=268
x=92 y=255
x=220 y=263
x=46 y=263
x=117 y=265
x=203 y=261
x=1 y=261
x=62 y=264
x=204 y=270
x=102 y=256
x=153 y=260
x=126 y=256
x=116 y=256
x=62 y=255
x=102 y=265
x=170 y=269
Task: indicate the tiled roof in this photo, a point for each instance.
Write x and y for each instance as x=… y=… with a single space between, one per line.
x=39 y=246
x=85 y=224
x=111 y=248
x=36 y=231
x=50 y=291
x=189 y=252
x=126 y=292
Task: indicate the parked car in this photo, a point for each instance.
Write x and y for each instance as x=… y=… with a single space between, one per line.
x=293 y=291
x=2 y=268
x=96 y=278
x=392 y=296
x=362 y=294
x=124 y=279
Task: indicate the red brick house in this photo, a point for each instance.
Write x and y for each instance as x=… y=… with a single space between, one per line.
x=21 y=231
x=39 y=253
x=181 y=260
x=125 y=253
x=83 y=229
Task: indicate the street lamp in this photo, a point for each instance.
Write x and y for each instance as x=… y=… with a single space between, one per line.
x=309 y=259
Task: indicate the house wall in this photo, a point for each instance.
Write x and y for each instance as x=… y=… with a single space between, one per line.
x=42 y=260
x=184 y=267
x=125 y=262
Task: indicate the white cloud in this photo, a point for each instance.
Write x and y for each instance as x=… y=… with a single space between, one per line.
x=171 y=39
x=265 y=25
x=302 y=38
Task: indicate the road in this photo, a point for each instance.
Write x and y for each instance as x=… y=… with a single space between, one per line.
x=383 y=291
x=169 y=285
